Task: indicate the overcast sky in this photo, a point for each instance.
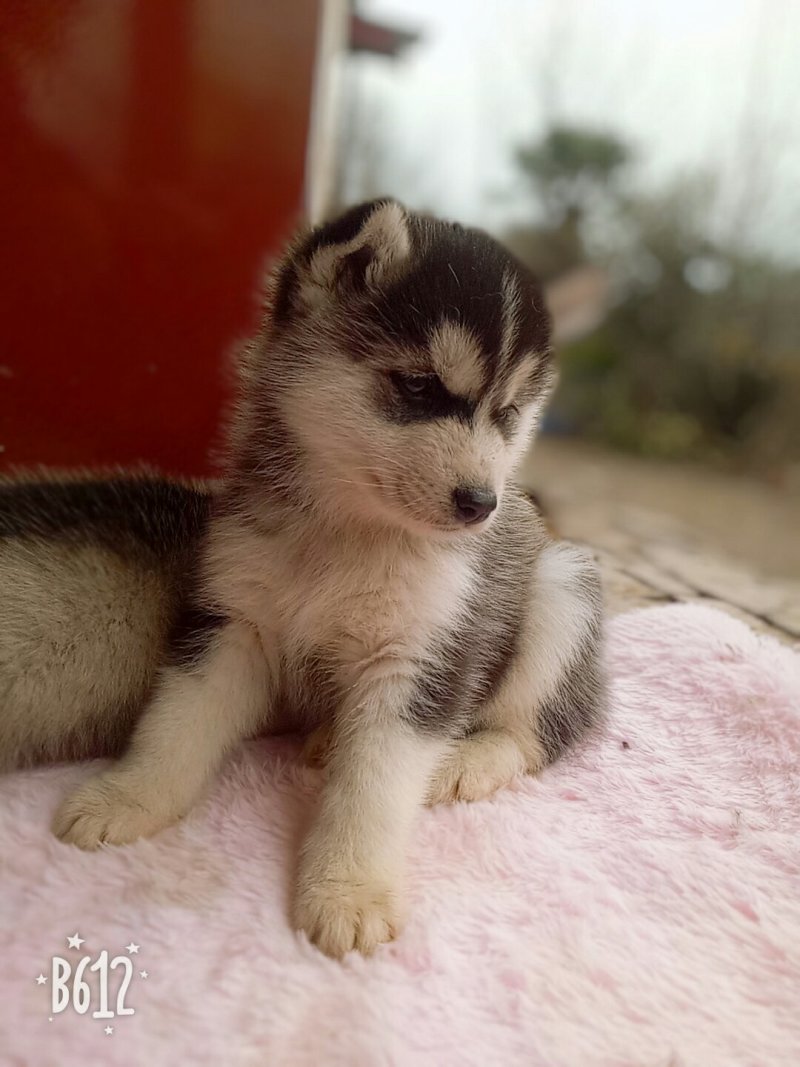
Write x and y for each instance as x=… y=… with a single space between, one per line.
x=694 y=85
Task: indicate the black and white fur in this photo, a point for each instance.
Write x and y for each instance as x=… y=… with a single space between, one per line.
x=334 y=581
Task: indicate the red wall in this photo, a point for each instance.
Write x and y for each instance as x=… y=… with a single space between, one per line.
x=152 y=152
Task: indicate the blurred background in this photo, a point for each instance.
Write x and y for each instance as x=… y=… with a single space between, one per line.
x=644 y=159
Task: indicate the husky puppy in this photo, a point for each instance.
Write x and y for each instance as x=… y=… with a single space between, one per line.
x=366 y=566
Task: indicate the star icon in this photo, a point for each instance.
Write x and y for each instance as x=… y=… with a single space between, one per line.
x=143 y=974
x=41 y=980
x=75 y=941
x=109 y=1030
x=132 y=948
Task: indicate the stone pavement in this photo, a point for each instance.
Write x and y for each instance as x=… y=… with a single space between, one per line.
x=650 y=556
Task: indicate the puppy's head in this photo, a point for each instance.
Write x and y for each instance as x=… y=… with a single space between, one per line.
x=415 y=361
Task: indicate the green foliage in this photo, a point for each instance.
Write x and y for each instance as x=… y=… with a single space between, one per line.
x=573 y=176
x=571 y=159
x=700 y=355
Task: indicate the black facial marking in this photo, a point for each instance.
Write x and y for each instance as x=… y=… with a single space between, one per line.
x=435 y=401
x=453 y=276
x=459 y=276
x=532 y=320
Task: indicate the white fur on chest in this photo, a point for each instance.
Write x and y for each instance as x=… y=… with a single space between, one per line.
x=350 y=601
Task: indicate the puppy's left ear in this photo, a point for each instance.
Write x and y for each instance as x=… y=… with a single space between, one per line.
x=361 y=251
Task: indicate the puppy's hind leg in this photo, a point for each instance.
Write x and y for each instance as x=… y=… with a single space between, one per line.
x=198 y=714
x=564 y=655
x=553 y=691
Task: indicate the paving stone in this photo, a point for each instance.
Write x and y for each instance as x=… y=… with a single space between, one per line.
x=657 y=578
x=788 y=618
x=647 y=558
x=723 y=579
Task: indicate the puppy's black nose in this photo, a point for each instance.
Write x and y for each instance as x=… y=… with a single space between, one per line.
x=473 y=505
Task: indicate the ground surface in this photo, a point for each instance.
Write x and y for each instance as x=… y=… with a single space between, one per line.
x=674 y=532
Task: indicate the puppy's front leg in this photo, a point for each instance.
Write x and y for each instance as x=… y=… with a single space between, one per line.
x=196 y=717
x=352 y=864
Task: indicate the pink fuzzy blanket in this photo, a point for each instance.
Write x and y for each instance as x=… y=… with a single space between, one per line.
x=639 y=904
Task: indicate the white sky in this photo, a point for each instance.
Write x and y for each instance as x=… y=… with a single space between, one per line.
x=694 y=85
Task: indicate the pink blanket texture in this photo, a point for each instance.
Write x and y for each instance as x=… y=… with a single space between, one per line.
x=638 y=904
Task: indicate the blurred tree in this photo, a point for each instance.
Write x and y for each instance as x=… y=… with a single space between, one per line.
x=570 y=166
x=700 y=354
x=573 y=173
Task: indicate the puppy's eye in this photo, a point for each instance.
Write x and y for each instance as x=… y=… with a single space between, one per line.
x=416 y=386
x=506 y=418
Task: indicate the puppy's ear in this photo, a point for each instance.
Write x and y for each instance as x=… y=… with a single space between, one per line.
x=361 y=251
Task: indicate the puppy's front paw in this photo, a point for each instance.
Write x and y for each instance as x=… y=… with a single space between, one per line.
x=475 y=768
x=104 y=811
x=342 y=915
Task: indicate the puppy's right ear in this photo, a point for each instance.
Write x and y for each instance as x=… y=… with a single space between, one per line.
x=361 y=251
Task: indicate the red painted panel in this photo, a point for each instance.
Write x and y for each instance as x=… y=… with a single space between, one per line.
x=152 y=153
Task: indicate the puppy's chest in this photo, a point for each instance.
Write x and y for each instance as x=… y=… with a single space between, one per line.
x=344 y=605
x=353 y=609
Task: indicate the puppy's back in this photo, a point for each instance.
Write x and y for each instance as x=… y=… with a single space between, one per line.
x=92 y=573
